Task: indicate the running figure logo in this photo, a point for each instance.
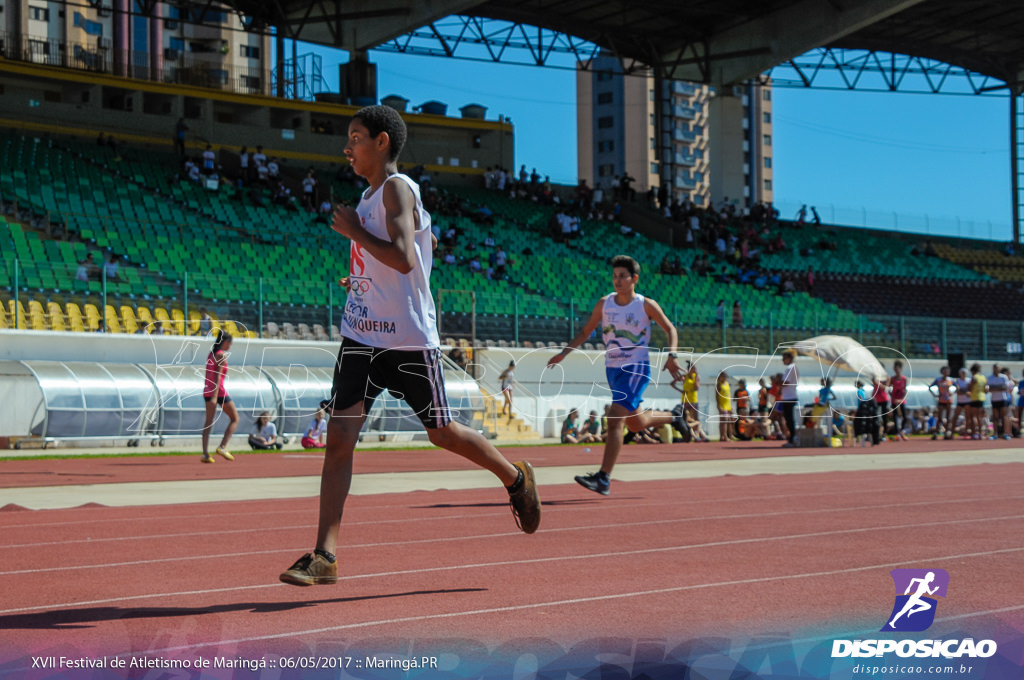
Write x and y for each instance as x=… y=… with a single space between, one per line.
x=914 y=609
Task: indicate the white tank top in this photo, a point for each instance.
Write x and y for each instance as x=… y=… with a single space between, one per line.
x=386 y=308
x=626 y=332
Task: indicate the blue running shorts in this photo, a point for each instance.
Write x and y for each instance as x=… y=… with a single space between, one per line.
x=628 y=384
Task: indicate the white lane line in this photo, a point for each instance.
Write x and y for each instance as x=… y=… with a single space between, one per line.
x=584 y=527
x=559 y=558
x=570 y=602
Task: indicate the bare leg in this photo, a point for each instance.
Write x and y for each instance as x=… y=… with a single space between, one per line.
x=232 y=414
x=637 y=421
x=336 y=478
x=211 y=411
x=613 y=442
x=472 y=446
x=953 y=420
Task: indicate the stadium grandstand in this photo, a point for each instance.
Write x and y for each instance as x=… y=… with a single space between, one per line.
x=272 y=268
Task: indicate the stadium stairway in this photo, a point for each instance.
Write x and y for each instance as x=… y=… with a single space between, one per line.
x=503 y=427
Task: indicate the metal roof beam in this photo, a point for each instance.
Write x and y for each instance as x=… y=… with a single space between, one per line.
x=364 y=24
x=740 y=53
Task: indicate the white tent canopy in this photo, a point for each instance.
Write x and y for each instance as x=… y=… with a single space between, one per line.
x=839 y=352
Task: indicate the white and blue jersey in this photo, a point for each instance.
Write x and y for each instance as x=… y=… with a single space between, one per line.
x=626 y=332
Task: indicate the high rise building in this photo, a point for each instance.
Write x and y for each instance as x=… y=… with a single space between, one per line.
x=206 y=47
x=702 y=145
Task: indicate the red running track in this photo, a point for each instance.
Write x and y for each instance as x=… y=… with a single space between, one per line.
x=731 y=556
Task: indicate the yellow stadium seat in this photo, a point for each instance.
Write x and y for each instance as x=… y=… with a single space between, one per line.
x=110 y=320
x=177 y=322
x=19 y=318
x=37 y=321
x=53 y=310
x=145 y=316
x=74 y=315
x=92 y=317
x=3 y=316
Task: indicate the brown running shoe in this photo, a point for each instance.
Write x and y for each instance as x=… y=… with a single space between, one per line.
x=311 y=569
x=526 y=502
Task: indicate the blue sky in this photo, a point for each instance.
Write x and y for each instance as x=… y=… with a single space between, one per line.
x=935 y=163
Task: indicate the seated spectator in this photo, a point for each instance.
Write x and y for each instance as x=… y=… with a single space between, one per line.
x=646 y=436
x=459 y=357
x=592 y=428
x=84 y=268
x=110 y=269
x=264 y=434
x=208 y=159
x=570 y=428
x=316 y=432
x=474 y=265
x=842 y=427
x=273 y=169
x=205 y=322
x=283 y=195
x=449 y=257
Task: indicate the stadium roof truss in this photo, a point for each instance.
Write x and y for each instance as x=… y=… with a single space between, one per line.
x=719 y=42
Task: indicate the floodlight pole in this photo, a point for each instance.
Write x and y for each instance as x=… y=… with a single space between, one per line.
x=1015 y=159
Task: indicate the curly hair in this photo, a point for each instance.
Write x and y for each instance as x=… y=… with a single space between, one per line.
x=378 y=119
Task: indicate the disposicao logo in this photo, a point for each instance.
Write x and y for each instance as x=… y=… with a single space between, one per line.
x=914 y=609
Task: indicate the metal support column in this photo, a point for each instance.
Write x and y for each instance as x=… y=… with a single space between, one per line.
x=1016 y=128
x=515 y=316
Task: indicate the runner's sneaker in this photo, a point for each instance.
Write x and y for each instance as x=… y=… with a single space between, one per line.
x=595 y=481
x=525 y=501
x=311 y=569
x=207 y=458
x=225 y=453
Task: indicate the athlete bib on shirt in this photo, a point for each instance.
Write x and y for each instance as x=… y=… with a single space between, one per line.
x=384 y=307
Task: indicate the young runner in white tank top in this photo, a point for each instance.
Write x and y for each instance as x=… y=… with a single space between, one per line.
x=625 y=321
x=390 y=339
x=386 y=308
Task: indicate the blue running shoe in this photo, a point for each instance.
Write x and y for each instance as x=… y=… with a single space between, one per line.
x=595 y=481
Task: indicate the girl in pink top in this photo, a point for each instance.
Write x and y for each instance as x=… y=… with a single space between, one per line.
x=214 y=394
x=898 y=386
x=883 y=404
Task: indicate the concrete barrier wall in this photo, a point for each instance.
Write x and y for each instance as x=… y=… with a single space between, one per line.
x=541 y=396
